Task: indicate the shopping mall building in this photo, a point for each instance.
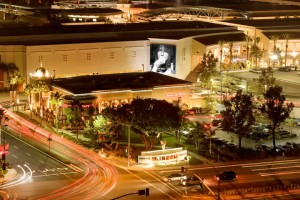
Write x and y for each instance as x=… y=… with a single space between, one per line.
x=96 y=51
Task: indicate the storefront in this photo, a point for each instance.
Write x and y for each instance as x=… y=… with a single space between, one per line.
x=163 y=157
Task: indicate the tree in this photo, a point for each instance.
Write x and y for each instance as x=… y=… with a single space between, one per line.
x=16 y=80
x=248 y=41
x=103 y=126
x=238 y=114
x=275 y=109
x=208 y=68
x=29 y=88
x=221 y=44
x=41 y=88
x=197 y=131
x=230 y=54
x=77 y=109
x=275 y=38
x=256 y=52
x=55 y=98
x=90 y=111
x=286 y=37
x=208 y=71
x=9 y=68
x=266 y=79
x=148 y=117
x=2 y=117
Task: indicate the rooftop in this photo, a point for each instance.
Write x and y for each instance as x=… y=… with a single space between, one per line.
x=57 y=34
x=122 y=81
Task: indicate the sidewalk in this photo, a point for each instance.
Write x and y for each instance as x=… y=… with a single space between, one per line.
x=9 y=176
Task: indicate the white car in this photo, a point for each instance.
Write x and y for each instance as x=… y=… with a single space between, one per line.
x=174 y=177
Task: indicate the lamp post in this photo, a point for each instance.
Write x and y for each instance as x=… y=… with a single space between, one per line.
x=3 y=155
x=30 y=107
x=274 y=58
x=294 y=54
x=128 y=153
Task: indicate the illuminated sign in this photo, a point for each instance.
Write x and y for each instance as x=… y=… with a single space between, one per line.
x=176 y=94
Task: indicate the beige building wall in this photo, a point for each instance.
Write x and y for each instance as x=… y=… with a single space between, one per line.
x=89 y=58
x=13 y=54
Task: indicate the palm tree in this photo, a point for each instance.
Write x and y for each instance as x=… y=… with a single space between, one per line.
x=76 y=106
x=221 y=44
x=28 y=90
x=286 y=37
x=41 y=88
x=275 y=38
x=248 y=40
x=256 y=53
x=230 y=53
x=55 y=98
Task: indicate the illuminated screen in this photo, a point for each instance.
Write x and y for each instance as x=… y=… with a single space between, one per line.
x=162 y=58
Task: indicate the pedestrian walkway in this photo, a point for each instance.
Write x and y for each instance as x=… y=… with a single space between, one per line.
x=9 y=176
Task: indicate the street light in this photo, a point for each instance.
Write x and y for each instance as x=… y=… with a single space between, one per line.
x=128 y=154
x=3 y=154
x=274 y=57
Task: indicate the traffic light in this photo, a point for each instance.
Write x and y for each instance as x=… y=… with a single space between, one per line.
x=144 y=192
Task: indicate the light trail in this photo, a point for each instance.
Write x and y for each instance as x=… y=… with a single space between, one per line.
x=99 y=177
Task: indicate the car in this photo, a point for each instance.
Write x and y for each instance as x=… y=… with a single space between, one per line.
x=193 y=180
x=217 y=122
x=227 y=176
x=284 y=69
x=174 y=177
x=294 y=67
x=255 y=70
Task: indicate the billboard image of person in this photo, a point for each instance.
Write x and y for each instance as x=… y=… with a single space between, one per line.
x=162 y=58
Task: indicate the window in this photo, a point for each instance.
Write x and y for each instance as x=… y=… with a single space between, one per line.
x=133 y=54
x=40 y=59
x=88 y=56
x=111 y=55
x=65 y=58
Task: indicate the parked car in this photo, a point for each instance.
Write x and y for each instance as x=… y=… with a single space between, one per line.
x=193 y=180
x=256 y=70
x=227 y=176
x=174 y=177
x=294 y=67
x=217 y=122
x=284 y=69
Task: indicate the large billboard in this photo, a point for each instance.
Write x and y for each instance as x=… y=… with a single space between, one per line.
x=163 y=58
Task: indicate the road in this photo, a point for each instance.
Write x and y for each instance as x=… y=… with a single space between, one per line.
x=83 y=175
x=252 y=176
x=95 y=177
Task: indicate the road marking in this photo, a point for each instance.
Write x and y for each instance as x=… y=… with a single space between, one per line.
x=279 y=173
x=15 y=156
x=270 y=168
x=75 y=168
x=16 y=147
x=56 y=174
x=149 y=184
x=28 y=154
x=41 y=161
